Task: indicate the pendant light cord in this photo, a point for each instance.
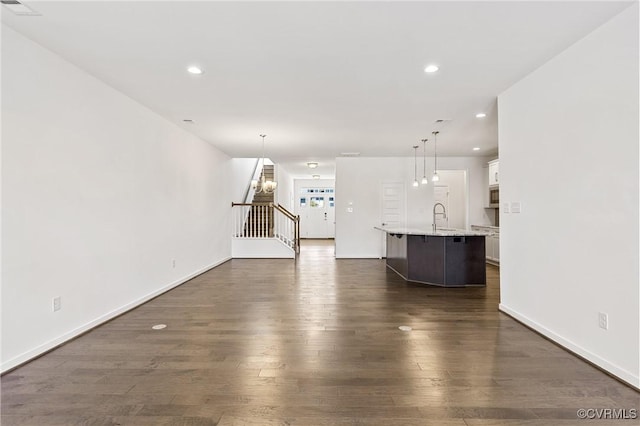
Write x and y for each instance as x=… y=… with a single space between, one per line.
x=435 y=152
x=263 y=136
x=415 y=162
x=424 y=157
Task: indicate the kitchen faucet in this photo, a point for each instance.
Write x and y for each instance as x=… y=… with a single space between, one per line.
x=443 y=213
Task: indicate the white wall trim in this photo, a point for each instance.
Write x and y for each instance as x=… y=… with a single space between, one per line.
x=622 y=374
x=260 y=248
x=52 y=344
x=359 y=256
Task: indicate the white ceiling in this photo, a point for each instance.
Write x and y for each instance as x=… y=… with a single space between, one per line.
x=319 y=78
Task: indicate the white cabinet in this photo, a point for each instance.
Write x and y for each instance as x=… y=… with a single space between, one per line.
x=494 y=255
x=494 y=173
x=488 y=246
x=492 y=243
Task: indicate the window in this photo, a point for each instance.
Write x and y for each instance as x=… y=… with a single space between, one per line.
x=315 y=197
x=316 y=202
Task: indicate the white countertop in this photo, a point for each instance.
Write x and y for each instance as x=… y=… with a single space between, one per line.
x=441 y=232
x=497 y=228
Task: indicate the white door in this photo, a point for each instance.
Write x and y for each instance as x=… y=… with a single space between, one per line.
x=441 y=195
x=393 y=209
x=317 y=213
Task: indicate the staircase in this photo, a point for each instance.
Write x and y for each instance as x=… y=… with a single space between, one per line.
x=263 y=228
x=262 y=198
x=260 y=219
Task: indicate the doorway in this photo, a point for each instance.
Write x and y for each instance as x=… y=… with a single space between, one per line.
x=316 y=207
x=441 y=195
x=452 y=192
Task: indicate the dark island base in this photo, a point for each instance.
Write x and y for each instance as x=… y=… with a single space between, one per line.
x=445 y=261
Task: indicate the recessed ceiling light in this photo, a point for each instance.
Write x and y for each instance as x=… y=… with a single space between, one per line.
x=476 y=148
x=431 y=68
x=312 y=165
x=315 y=176
x=194 y=70
x=481 y=115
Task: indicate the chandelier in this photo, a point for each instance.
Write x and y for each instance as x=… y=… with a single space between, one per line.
x=263 y=185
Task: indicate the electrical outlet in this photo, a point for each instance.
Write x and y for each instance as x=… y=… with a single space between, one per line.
x=173 y=263
x=57 y=304
x=603 y=320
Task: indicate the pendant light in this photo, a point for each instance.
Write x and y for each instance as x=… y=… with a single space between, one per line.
x=263 y=186
x=415 y=166
x=424 y=162
x=435 y=177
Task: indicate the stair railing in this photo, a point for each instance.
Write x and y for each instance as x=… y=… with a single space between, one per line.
x=288 y=226
x=264 y=221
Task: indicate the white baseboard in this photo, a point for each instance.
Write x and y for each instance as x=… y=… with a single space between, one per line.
x=45 y=347
x=622 y=374
x=354 y=256
x=348 y=255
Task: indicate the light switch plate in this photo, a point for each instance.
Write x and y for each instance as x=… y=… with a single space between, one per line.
x=505 y=207
x=515 y=207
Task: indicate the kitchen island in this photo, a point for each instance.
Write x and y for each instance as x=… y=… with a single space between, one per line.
x=445 y=258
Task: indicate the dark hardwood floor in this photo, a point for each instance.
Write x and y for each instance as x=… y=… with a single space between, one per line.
x=312 y=342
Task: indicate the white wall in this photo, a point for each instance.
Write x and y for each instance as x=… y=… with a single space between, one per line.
x=240 y=177
x=99 y=195
x=358 y=182
x=569 y=154
x=285 y=189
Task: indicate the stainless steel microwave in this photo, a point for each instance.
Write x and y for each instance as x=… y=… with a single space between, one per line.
x=494 y=196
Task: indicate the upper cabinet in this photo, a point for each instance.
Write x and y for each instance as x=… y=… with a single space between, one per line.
x=494 y=173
